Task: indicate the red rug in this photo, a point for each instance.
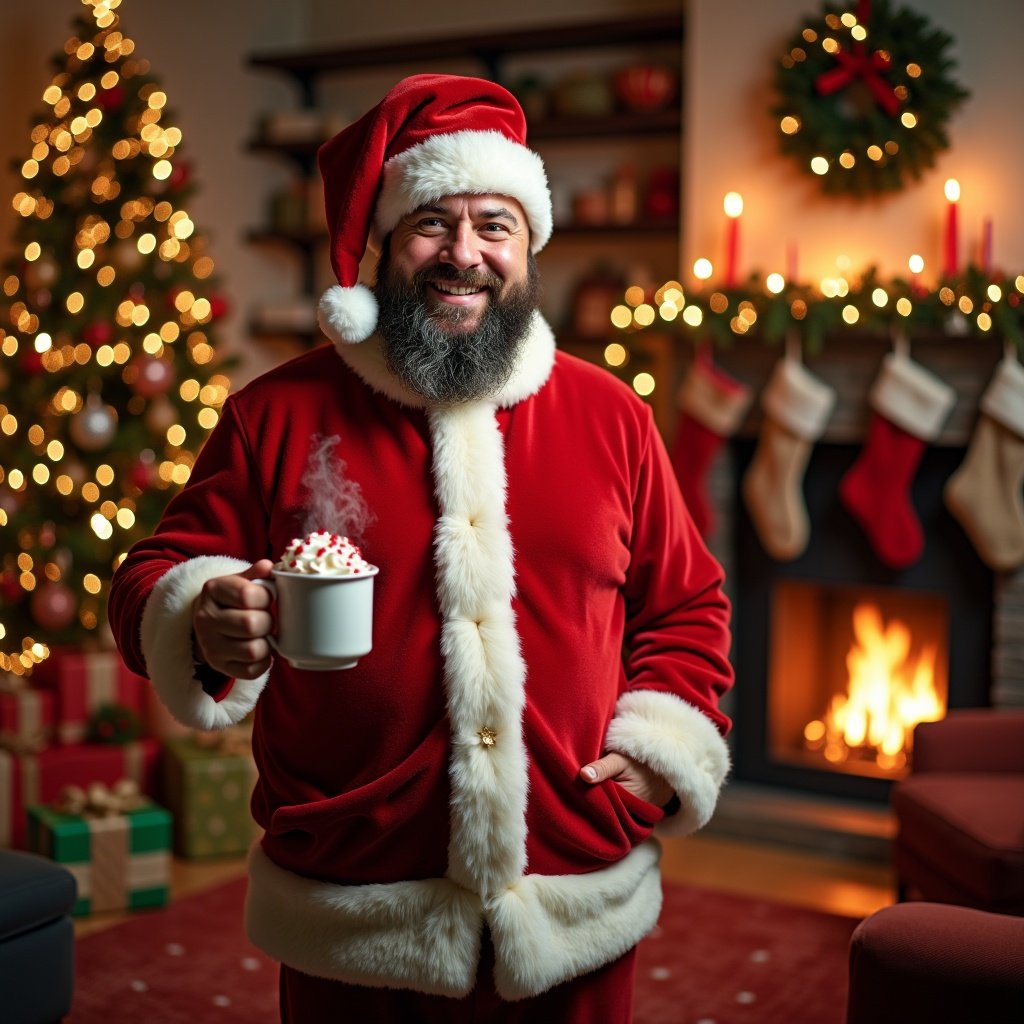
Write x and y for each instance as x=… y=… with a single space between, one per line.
x=714 y=959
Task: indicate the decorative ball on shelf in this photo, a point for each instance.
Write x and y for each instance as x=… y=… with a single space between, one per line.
x=864 y=97
x=53 y=606
x=97 y=333
x=149 y=376
x=644 y=88
x=161 y=415
x=94 y=426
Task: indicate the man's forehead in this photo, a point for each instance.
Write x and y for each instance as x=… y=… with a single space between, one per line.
x=489 y=205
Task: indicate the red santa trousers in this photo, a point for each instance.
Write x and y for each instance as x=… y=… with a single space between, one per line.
x=604 y=996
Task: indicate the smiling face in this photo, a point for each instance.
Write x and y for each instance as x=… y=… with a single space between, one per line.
x=465 y=250
x=457 y=290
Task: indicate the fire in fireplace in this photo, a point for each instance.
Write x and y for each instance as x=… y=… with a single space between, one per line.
x=853 y=670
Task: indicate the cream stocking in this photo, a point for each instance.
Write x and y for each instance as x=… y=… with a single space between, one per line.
x=797 y=407
x=985 y=492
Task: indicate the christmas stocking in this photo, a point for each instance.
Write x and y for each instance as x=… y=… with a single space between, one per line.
x=985 y=492
x=797 y=407
x=712 y=404
x=910 y=406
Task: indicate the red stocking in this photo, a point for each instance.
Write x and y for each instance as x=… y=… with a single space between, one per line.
x=712 y=405
x=910 y=406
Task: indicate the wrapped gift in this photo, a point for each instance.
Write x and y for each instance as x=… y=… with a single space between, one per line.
x=120 y=857
x=82 y=682
x=26 y=719
x=30 y=778
x=208 y=781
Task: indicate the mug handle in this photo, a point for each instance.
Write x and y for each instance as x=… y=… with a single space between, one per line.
x=272 y=587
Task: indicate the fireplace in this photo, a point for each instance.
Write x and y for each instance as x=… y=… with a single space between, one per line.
x=813 y=635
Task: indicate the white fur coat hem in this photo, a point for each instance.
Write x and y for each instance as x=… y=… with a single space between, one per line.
x=425 y=935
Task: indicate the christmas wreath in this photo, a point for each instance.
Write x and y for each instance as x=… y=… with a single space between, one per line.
x=864 y=97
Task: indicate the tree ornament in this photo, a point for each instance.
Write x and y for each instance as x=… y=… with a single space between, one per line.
x=111 y=99
x=94 y=426
x=126 y=256
x=99 y=332
x=180 y=175
x=910 y=406
x=161 y=415
x=41 y=273
x=864 y=97
x=53 y=606
x=143 y=472
x=149 y=376
x=218 y=306
x=984 y=494
x=797 y=407
x=11 y=591
x=31 y=362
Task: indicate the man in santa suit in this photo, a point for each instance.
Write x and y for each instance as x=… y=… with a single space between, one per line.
x=461 y=827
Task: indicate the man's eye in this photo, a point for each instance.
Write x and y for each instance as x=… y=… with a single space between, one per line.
x=495 y=227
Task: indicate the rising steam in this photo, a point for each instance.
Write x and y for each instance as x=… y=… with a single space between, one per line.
x=333 y=502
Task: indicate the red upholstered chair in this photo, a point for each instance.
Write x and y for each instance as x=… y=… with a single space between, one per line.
x=936 y=963
x=960 y=813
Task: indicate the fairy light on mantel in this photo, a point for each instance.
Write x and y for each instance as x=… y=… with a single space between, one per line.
x=108 y=373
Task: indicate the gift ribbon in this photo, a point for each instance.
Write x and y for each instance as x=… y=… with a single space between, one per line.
x=859 y=63
x=233 y=741
x=98 y=800
x=25 y=742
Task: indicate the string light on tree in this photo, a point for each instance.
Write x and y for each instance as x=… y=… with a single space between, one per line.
x=109 y=301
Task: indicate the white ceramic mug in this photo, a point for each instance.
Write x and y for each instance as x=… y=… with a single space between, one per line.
x=323 y=622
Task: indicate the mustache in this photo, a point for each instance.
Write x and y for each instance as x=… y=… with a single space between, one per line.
x=453 y=275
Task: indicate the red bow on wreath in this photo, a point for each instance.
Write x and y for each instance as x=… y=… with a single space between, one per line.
x=858 y=63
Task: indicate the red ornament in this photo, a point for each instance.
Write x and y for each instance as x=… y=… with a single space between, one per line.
x=10 y=588
x=1013 y=298
x=53 y=606
x=31 y=362
x=99 y=332
x=218 y=306
x=110 y=99
x=149 y=376
x=141 y=475
x=646 y=87
x=181 y=173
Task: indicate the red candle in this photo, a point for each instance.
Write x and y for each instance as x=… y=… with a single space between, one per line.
x=952 y=190
x=986 y=245
x=733 y=204
x=791 y=263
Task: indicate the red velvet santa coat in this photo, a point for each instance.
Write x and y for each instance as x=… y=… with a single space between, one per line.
x=522 y=543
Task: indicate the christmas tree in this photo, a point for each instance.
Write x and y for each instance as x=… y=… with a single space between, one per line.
x=108 y=376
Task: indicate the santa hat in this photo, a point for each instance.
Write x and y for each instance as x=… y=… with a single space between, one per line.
x=431 y=136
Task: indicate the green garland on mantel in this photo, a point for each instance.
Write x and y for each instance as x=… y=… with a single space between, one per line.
x=864 y=97
x=973 y=304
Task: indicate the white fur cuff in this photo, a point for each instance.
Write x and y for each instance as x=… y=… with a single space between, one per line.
x=678 y=742
x=166 y=636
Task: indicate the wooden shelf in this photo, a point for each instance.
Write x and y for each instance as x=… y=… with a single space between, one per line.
x=306 y=239
x=488 y=48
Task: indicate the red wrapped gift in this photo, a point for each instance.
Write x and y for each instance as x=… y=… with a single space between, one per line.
x=27 y=779
x=82 y=682
x=26 y=719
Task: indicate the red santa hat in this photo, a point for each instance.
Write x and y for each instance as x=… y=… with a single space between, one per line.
x=431 y=136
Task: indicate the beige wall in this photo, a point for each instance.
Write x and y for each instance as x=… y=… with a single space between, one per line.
x=730 y=146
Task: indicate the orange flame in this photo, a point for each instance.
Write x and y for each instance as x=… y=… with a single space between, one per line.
x=887 y=695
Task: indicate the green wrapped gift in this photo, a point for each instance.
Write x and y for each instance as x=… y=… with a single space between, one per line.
x=208 y=781
x=119 y=860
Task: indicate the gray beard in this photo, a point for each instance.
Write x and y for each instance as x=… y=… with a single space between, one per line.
x=425 y=349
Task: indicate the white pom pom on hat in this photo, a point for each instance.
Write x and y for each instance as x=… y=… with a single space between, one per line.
x=430 y=137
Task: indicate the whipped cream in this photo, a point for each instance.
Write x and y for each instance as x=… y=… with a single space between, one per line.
x=323 y=554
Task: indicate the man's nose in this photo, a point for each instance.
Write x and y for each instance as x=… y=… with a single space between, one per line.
x=462 y=250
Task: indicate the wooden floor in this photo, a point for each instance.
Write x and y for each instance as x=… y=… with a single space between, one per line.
x=832 y=884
